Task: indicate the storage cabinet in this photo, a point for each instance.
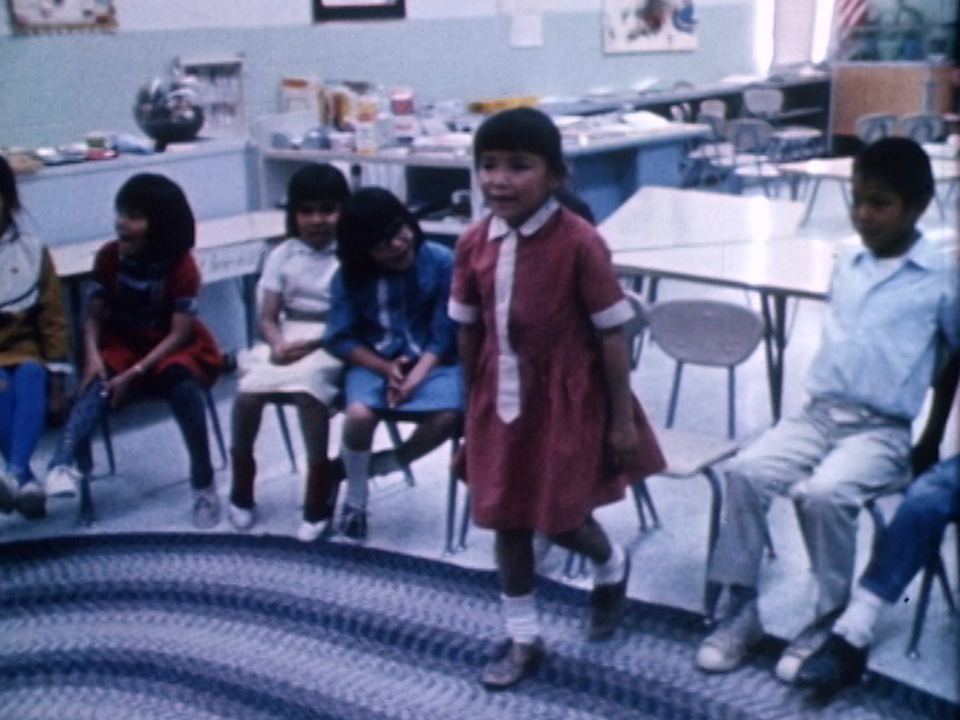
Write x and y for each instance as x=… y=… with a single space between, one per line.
x=605 y=170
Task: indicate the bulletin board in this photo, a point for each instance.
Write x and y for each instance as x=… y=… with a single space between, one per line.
x=631 y=26
x=38 y=16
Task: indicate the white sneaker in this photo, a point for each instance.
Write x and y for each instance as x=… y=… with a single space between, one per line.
x=310 y=531
x=241 y=518
x=61 y=481
x=206 y=508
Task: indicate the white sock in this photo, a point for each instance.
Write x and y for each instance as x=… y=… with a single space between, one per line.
x=613 y=569
x=859 y=619
x=520 y=617
x=384 y=463
x=357 y=466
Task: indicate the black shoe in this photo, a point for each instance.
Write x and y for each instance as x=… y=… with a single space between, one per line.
x=608 y=603
x=353 y=524
x=836 y=665
x=520 y=660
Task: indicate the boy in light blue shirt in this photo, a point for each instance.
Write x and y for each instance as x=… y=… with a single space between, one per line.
x=893 y=306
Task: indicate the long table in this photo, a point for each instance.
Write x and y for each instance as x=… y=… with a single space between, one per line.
x=946 y=172
x=226 y=248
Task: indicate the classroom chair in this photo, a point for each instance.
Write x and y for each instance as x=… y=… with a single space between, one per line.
x=87 y=512
x=709 y=162
x=875 y=126
x=922 y=127
x=755 y=153
x=687 y=454
x=795 y=142
x=709 y=333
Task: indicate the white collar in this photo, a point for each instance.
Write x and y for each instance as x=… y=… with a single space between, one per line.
x=499 y=228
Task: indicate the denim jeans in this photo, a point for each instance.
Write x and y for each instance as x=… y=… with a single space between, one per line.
x=23 y=408
x=915 y=531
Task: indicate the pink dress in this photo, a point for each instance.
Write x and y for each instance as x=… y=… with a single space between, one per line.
x=537 y=411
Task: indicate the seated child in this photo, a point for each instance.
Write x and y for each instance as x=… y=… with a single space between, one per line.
x=388 y=321
x=141 y=335
x=892 y=302
x=290 y=366
x=33 y=353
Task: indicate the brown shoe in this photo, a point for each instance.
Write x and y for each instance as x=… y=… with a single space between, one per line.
x=608 y=604
x=519 y=661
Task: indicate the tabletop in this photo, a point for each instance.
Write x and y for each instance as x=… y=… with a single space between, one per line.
x=671 y=217
x=841 y=168
x=226 y=247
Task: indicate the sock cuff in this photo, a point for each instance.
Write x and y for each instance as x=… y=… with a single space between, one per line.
x=520 y=617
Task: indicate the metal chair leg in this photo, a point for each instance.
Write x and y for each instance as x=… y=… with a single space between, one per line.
x=285 y=435
x=217 y=430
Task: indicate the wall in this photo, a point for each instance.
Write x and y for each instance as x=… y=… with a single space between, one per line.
x=55 y=88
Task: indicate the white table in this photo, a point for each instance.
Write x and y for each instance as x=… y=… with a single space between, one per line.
x=946 y=171
x=775 y=268
x=671 y=217
x=226 y=248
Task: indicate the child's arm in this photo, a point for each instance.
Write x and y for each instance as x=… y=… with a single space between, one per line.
x=623 y=443
x=181 y=328
x=282 y=352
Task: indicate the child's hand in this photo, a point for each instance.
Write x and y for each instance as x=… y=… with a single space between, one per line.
x=623 y=444
x=284 y=353
x=411 y=382
x=396 y=378
x=93 y=369
x=118 y=387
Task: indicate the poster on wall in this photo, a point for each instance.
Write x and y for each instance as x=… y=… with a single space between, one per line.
x=33 y=16
x=357 y=9
x=631 y=26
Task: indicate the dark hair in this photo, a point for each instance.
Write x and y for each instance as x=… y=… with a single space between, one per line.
x=171 y=229
x=521 y=130
x=573 y=202
x=8 y=191
x=367 y=218
x=316 y=182
x=900 y=164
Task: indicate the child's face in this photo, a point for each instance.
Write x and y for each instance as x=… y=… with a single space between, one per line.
x=396 y=253
x=317 y=222
x=515 y=183
x=132 y=227
x=884 y=222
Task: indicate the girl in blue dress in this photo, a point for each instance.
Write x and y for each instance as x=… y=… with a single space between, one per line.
x=388 y=322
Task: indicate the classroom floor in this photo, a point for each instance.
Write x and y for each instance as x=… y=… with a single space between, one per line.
x=150 y=493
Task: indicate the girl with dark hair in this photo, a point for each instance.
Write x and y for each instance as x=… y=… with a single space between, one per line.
x=33 y=352
x=290 y=366
x=552 y=430
x=388 y=322
x=141 y=335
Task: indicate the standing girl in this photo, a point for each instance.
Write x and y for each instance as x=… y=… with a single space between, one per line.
x=389 y=322
x=552 y=429
x=141 y=335
x=33 y=352
x=290 y=366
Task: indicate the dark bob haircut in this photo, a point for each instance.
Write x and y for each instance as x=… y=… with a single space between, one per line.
x=314 y=183
x=367 y=218
x=521 y=130
x=171 y=229
x=900 y=164
x=8 y=192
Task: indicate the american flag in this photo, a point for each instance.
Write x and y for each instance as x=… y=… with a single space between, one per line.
x=848 y=14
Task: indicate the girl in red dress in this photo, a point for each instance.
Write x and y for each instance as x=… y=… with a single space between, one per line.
x=141 y=335
x=552 y=429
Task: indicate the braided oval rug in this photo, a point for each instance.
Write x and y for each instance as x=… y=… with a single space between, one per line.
x=203 y=626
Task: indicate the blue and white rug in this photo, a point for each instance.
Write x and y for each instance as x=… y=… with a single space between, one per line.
x=228 y=626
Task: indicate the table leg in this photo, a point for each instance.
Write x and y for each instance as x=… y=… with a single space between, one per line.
x=775 y=341
x=814 y=187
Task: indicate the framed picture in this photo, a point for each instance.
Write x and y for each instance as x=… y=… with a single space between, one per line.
x=324 y=10
x=648 y=26
x=36 y=16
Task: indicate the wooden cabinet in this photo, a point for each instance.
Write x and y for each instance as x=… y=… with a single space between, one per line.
x=901 y=88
